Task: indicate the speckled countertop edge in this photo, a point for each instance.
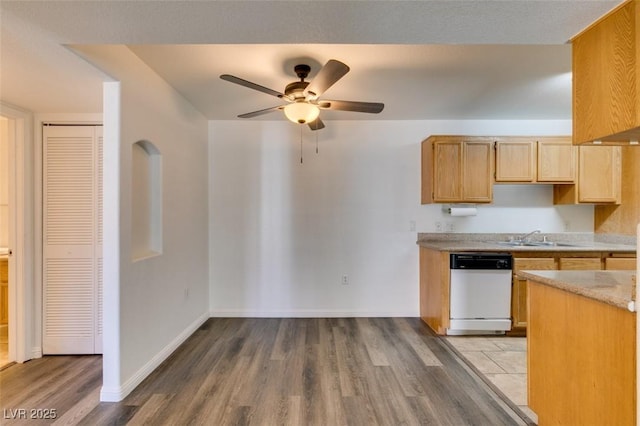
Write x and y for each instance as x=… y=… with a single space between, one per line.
x=490 y=242
x=610 y=287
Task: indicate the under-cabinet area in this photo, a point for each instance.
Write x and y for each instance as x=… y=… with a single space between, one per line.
x=435 y=272
x=463 y=169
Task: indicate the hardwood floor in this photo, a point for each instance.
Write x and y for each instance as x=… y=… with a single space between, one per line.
x=239 y=371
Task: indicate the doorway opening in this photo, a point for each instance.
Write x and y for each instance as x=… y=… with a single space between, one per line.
x=7 y=235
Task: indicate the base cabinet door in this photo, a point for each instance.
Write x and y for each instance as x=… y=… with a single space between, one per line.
x=519 y=288
x=4 y=291
x=620 y=263
x=580 y=263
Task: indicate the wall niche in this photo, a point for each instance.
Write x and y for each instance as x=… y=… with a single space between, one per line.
x=146 y=201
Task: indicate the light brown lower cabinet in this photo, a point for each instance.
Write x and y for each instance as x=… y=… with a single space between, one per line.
x=434 y=289
x=435 y=282
x=579 y=263
x=581 y=359
x=620 y=263
x=4 y=291
x=519 y=289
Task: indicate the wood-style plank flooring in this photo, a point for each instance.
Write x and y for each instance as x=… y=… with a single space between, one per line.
x=240 y=371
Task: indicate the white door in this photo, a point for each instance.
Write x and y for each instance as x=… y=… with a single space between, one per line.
x=72 y=240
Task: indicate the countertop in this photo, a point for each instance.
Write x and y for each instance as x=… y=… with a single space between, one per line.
x=610 y=287
x=495 y=243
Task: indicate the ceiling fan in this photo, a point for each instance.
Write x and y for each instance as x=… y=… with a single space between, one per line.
x=302 y=96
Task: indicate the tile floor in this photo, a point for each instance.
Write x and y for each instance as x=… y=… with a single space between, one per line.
x=502 y=361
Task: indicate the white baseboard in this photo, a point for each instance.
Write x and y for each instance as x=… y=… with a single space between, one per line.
x=239 y=313
x=36 y=352
x=118 y=393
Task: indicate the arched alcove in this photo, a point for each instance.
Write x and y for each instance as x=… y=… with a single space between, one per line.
x=146 y=200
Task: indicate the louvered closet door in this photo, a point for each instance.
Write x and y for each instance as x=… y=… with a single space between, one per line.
x=98 y=248
x=71 y=236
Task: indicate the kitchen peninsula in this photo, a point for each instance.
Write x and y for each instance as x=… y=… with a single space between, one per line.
x=581 y=347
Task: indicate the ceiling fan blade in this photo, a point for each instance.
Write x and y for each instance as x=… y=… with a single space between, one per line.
x=317 y=124
x=250 y=85
x=260 y=112
x=327 y=76
x=370 y=107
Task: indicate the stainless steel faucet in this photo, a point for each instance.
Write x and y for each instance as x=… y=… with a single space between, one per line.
x=525 y=238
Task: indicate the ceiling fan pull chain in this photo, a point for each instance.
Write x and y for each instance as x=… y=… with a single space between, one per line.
x=316 y=142
x=300 y=143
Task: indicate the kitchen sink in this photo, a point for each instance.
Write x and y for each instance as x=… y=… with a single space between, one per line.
x=535 y=244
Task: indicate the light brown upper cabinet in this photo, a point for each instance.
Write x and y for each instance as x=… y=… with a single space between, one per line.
x=516 y=160
x=457 y=169
x=599 y=177
x=540 y=160
x=556 y=160
x=606 y=77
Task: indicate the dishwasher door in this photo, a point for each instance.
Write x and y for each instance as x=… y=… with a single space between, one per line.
x=480 y=294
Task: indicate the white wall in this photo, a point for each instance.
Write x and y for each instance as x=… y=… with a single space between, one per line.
x=283 y=233
x=151 y=305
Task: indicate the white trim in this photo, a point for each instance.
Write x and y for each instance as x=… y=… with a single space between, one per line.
x=111 y=240
x=308 y=313
x=118 y=393
x=21 y=282
x=36 y=352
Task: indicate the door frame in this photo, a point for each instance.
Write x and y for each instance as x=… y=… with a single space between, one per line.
x=42 y=121
x=21 y=200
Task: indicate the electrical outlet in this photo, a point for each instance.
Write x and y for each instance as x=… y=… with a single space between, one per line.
x=566 y=225
x=412 y=225
x=345 y=280
x=438 y=226
x=449 y=227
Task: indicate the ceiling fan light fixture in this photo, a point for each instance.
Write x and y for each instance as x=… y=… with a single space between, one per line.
x=301 y=112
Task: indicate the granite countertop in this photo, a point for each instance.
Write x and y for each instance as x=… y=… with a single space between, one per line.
x=496 y=243
x=610 y=287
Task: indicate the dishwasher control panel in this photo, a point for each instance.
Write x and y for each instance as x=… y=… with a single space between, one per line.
x=480 y=261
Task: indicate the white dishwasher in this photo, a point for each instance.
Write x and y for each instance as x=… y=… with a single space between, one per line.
x=480 y=293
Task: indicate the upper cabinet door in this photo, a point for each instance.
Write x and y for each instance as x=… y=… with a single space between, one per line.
x=515 y=161
x=447 y=171
x=556 y=160
x=457 y=169
x=477 y=183
x=599 y=174
x=606 y=79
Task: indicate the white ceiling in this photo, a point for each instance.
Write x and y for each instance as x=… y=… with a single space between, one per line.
x=430 y=59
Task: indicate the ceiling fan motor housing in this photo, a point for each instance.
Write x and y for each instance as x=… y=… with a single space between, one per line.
x=295 y=90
